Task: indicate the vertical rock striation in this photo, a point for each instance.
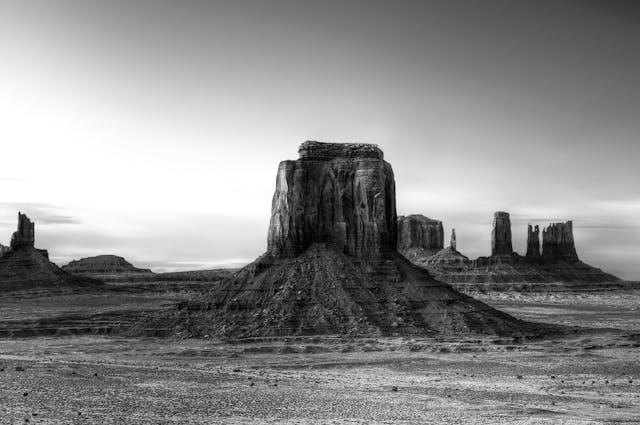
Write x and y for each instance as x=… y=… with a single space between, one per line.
x=533 y=242
x=501 y=234
x=340 y=194
x=418 y=231
x=557 y=242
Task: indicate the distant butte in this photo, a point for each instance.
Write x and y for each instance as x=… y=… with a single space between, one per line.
x=24 y=268
x=332 y=266
x=102 y=264
x=557 y=263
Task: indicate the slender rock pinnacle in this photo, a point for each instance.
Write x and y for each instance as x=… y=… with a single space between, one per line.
x=533 y=242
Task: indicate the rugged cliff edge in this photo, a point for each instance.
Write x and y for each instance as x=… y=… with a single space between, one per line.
x=332 y=267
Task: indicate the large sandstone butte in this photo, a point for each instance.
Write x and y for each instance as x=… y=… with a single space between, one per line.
x=419 y=237
x=332 y=267
x=102 y=264
x=24 y=268
x=343 y=195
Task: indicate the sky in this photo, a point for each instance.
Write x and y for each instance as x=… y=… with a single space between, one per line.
x=153 y=129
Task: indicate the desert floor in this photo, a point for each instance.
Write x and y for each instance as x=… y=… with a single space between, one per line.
x=91 y=379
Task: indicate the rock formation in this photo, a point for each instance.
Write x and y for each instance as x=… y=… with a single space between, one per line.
x=25 y=235
x=342 y=195
x=331 y=264
x=3 y=249
x=557 y=242
x=419 y=237
x=558 y=262
x=102 y=264
x=453 y=243
x=533 y=242
x=501 y=234
x=25 y=268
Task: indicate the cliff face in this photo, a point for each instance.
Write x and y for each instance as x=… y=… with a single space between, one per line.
x=418 y=231
x=557 y=242
x=533 y=242
x=501 y=234
x=340 y=194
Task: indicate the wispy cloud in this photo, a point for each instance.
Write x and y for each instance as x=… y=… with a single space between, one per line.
x=42 y=213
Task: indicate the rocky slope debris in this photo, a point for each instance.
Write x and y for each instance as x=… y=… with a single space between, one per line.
x=332 y=266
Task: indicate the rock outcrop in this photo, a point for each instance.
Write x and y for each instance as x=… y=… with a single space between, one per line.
x=25 y=268
x=419 y=237
x=558 y=263
x=533 y=243
x=343 y=195
x=558 y=244
x=102 y=264
x=453 y=243
x=3 y=250
x=25 y=235
x=501 y=234
x=331 y=265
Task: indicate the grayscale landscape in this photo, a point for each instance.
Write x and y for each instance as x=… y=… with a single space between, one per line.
x=300 y=212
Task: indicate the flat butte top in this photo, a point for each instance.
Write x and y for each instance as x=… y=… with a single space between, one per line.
x=319 y=151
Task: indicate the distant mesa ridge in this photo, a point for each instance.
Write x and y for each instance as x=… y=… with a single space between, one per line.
x=557 y=262
x=332 y=266
x=102 y=264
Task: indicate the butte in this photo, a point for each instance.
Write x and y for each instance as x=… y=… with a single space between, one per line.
x=25 y=268
x=332 y=266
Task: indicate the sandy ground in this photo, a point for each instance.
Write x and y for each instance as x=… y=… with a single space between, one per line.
x=462 y=380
